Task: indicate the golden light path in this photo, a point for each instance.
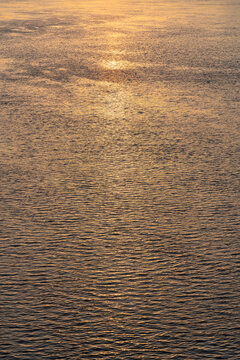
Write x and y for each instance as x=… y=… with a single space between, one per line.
x=114 y=52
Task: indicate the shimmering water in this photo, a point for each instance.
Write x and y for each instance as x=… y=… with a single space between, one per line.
x=119 y=139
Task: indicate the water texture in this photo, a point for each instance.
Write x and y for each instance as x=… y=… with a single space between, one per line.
x=119 y=151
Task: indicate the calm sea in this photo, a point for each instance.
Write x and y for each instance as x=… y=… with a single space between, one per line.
x=120 y=169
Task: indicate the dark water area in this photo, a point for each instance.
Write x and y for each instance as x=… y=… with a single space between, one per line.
x=119 y=153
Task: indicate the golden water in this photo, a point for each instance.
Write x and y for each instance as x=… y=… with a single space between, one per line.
x=119 y=151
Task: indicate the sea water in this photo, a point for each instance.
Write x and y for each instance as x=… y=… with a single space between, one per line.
x=119 y=152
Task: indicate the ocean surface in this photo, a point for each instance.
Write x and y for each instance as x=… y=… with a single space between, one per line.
x=120 y=179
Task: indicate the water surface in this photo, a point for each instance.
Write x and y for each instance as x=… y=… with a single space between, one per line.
x=119 y=153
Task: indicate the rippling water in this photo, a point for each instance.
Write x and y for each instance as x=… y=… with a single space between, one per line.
x=119 y=179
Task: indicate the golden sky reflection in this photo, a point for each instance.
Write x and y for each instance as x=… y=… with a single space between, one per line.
x=114 y=195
